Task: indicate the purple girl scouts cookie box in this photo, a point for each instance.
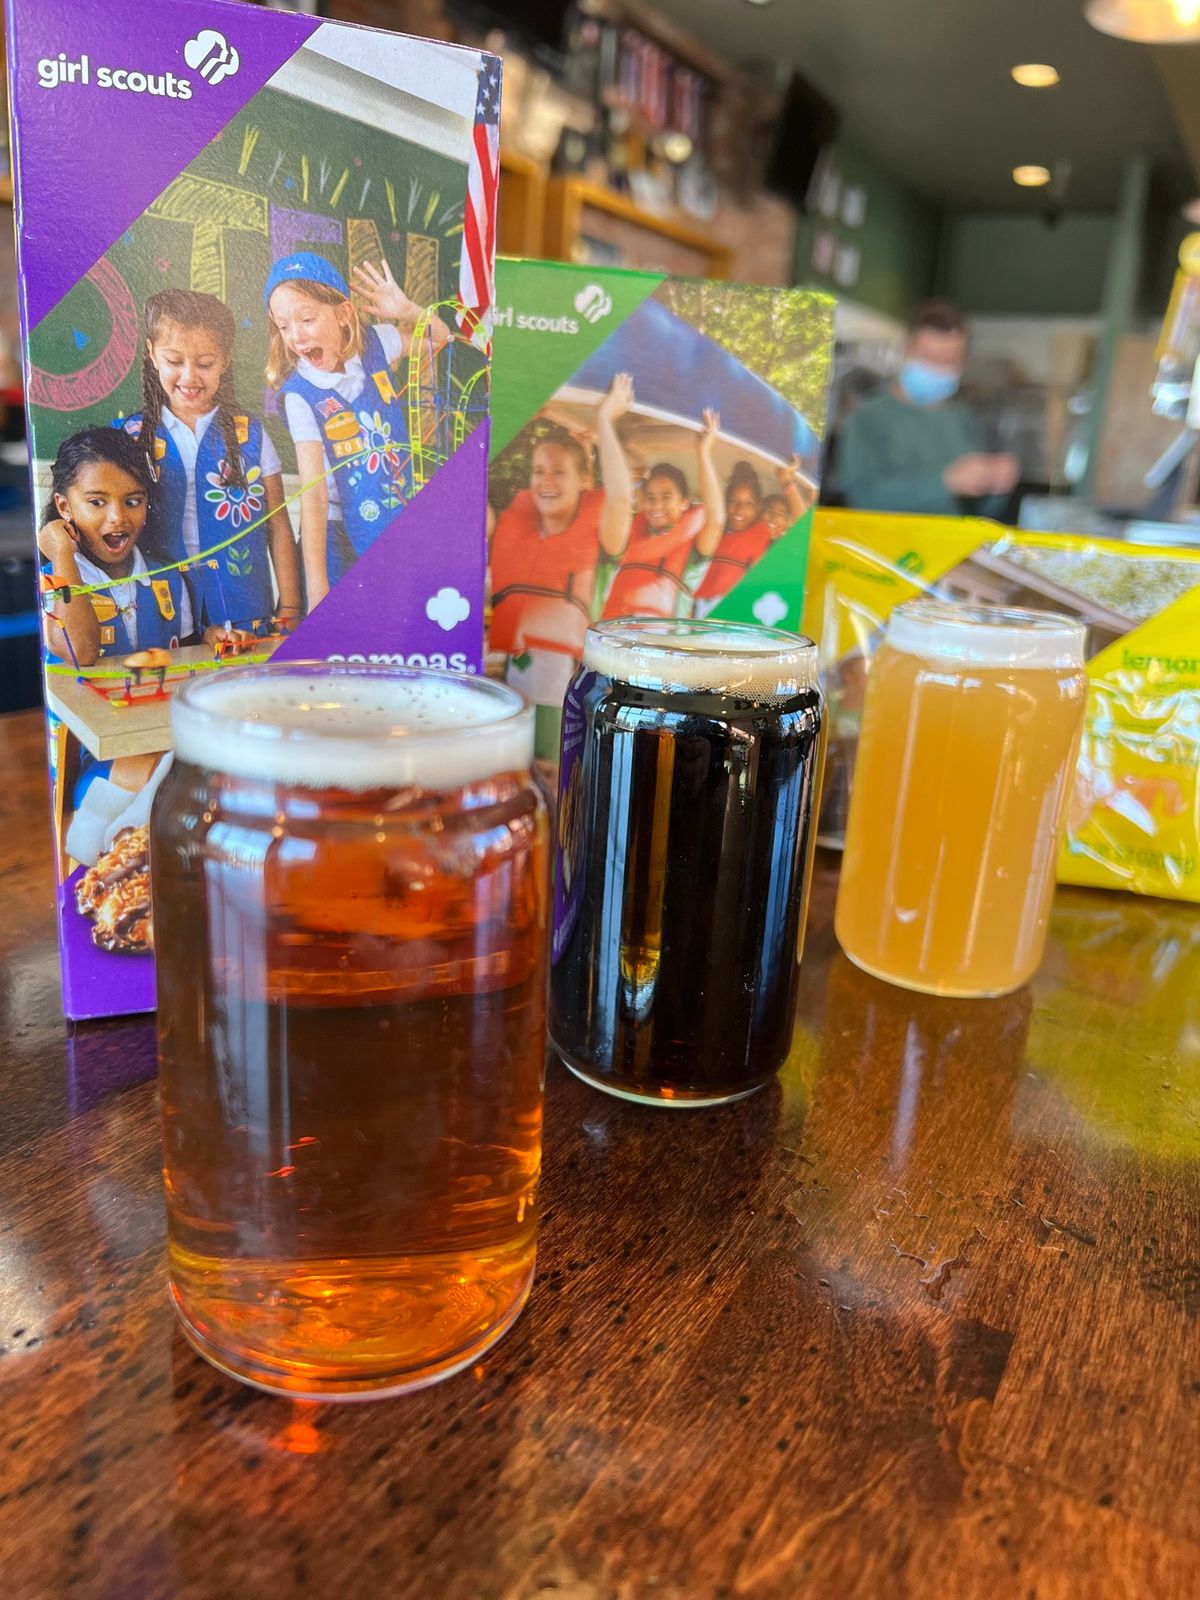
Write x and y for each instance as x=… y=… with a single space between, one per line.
x=256 y=260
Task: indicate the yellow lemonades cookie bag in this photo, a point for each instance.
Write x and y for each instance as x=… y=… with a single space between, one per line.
x=1134 y=819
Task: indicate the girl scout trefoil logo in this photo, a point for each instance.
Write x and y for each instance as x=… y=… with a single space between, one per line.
x=212 y=56
x=593 y=302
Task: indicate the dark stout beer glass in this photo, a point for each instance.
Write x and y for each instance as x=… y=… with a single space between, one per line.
x=349 y=869
x=690 y=762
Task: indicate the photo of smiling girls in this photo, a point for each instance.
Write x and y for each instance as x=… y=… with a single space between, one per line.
x=752 y=524
x=655 y=476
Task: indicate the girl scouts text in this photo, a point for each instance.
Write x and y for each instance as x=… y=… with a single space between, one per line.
x=53 y=70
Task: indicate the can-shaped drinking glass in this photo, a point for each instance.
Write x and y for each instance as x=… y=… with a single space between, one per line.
x=690 y=762
x=969 y=741
x=350 y=906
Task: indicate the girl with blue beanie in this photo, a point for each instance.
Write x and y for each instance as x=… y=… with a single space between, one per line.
x=345 y=403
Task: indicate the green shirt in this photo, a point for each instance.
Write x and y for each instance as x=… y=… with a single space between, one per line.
x=893 y=454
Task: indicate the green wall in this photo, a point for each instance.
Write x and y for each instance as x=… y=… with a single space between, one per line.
x=1018 y=266
x=898 y=240
x=1006 y=265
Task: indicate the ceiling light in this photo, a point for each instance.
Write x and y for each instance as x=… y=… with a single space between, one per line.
x=1146 y=21
x=1191 y=212
x=1031 y=177
x=1036 y=75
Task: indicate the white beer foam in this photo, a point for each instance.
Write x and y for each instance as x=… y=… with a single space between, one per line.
x=715 y=657
x=986 y=636
x=324 y=727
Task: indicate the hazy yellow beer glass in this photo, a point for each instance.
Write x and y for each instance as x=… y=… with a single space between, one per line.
x=350 y=885
x=970 y=735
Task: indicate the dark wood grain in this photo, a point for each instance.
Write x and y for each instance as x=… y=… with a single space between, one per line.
x=920 y=1320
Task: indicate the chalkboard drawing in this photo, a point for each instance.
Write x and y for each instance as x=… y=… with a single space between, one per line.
x=73 y=391
x=421 y=279
x=287 y=175
x=212 y=210
x=298 y=230
x=363 y=243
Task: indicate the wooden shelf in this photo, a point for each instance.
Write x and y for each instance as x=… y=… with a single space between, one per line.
x=521 y=215
x=569 y=199
x=6 y=191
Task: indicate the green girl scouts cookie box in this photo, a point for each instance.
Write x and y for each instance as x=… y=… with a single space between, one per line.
x=655 y=452
x=256 y=339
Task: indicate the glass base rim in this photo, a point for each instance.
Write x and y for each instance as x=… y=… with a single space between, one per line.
x=351 y=1390
x=922 y=988
x=657 y=1102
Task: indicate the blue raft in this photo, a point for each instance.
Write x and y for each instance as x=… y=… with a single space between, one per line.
x=678 y=371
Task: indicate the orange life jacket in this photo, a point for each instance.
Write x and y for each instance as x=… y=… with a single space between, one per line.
x=542 y=583
x=650 y=577
x=737 y=552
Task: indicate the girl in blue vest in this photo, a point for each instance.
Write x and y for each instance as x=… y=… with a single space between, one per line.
x=98 y=532
x=219 y=472
x=345 y=403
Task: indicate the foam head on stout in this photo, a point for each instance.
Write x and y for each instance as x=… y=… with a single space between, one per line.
x=349 y=871
x=690 y=758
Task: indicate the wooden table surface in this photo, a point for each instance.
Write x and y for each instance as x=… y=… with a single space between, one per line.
x=922 y=1320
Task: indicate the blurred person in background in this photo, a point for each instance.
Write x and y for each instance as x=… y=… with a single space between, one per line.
x=913 y=447
x=856 y=386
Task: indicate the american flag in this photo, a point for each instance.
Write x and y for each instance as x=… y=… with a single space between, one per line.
x=476 y=274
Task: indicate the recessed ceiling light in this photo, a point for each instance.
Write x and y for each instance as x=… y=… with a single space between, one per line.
x=1146 y=21
x=1031 y=177
x=758 y=2
x=1191 y=212
x=1036 y=75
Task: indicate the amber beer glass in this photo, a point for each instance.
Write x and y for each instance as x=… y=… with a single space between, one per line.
x=970 y=736
x=690 y=755
x=349 y=871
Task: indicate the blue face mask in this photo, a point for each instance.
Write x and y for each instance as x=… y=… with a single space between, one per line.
x=928 y=386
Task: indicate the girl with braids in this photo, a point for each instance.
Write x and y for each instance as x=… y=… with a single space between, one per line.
x=219 y=472
x=669 y=533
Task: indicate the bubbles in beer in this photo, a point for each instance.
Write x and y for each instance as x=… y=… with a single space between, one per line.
x=763 y=664
x=986 y=636
x=350 y=727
